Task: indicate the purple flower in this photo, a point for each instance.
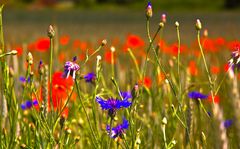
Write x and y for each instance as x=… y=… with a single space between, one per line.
x=90 y=77
x=234 y=62
x=119 y=130
x=23 y=79
x=126 y=95
x=227 y=123
x=70 y=68
x=149 y=12
x=28 y=104
x=112 y=105
x=196 y=95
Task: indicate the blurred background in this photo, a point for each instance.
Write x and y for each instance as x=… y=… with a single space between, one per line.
x=96 y=19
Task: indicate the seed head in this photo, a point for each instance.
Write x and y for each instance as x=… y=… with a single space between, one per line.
x=104 y=42
x=51 y=31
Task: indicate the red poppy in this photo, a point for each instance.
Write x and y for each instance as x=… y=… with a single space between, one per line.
x=192 y=68
x=216 y=99
x=61 y=57
x=42 y=44
x=134 y=41
x=233 y=44
x=108 y=57
x=215 y=70
x=147 y=82
x=174 y=49
x=226 y=67
x=64 y=40
x=76 y=44
x=19 y=50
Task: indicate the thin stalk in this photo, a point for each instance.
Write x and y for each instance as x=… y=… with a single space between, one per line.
x=110 y=134
x=85 y=112
x=51 y=70
x=178 y=62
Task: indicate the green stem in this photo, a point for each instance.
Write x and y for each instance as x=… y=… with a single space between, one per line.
x=110 y=134
x=85 y=112
x=50 y=70
x=178 y=59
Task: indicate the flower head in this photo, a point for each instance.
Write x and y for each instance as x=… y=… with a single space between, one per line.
x=70 y=68
x=119 y=130
x=90 y=77
x=112 y=105
x=149 y=12
x=126 y=95
x=28 y=104
x=234 y=62
x=227 y=123
x=197 y=95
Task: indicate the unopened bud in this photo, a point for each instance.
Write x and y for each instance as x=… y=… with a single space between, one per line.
x=161 y=24
x=99 y=57
x=14 y=52
x=198 y=25
x=164 y=121
x=104 y=42
x=112 y=48
x=164 y=20
x=149 y=12
x=30 y=58
x=51 y=31
x=176 y=24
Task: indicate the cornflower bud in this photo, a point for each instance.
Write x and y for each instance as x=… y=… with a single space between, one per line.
x=149 y=12
x=30 y=58
x=164 y=20
x=104 y=42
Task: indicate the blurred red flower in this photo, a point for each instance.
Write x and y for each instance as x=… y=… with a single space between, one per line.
x=215 y=69
x=64 y=40
x=216 y=99
x=42 y=44
x=134 y=41
x=108 y=57
x=19 y=50
x=192 y=69
x=147 y=82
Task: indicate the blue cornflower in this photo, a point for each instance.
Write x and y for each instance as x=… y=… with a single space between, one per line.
x=234 y=62
x=23 y=79
x=126 y=95
x=70 y=68
x=119 y=130
x=227 y=123
x=28 y=104
x=90 y=77
x=149 y=12
x=196 y=95
x=112 y=105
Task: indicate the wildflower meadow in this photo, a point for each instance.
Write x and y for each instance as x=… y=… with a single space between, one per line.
x=60 y=92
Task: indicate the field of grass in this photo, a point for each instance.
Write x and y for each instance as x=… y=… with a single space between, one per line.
x=119 y=80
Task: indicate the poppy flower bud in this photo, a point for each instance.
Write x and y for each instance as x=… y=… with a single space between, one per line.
x=198 y=25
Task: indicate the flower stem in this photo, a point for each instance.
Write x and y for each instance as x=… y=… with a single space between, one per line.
x=85 y=112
